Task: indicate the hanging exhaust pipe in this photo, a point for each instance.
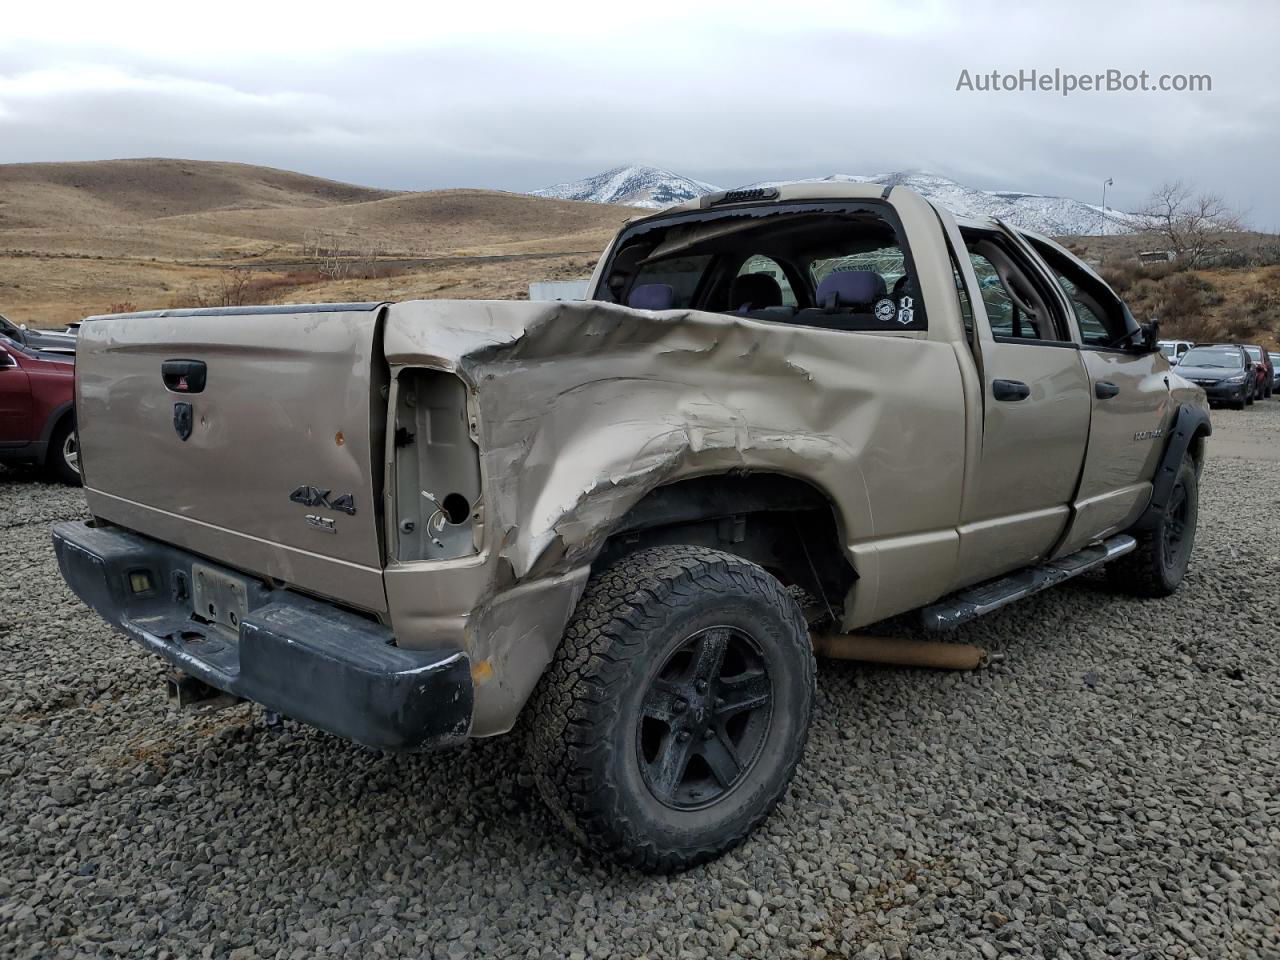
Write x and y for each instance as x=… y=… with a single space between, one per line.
x=902 y=653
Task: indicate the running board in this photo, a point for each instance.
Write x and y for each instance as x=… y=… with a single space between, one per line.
x=974 y=602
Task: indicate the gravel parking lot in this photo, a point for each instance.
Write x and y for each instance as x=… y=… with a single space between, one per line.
x=1110 y=788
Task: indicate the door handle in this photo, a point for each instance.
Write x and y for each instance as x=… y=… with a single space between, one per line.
x=1105 y=390
x=1010 y=390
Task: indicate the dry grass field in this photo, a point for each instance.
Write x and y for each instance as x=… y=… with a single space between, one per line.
x=84 y=238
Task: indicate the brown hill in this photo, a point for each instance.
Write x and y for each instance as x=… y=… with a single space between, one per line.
x=79 y=238
x=63 y=195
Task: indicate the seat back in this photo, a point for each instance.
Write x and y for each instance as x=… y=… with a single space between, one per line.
x=652 y=296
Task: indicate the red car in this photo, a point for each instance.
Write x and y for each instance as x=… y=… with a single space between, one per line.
x=37 y=416
x=1264 y=370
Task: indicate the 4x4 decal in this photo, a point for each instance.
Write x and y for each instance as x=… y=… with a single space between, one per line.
x=317 y=497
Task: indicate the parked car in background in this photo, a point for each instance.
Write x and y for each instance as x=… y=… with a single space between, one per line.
x=47 y=341
x=37 y=416
x=1174 y=350
x=1224 y=372
x=1275 y=371
x=1264 y=368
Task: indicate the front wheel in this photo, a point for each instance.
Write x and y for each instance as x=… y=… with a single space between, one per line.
x=1155 y=567
x=675 y=711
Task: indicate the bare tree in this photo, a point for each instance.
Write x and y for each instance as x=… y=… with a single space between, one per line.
x=1189 y=222
x=235 y=287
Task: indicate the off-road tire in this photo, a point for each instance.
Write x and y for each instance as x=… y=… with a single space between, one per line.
x=59 y=467
x=585 y=716
x=1149 y=570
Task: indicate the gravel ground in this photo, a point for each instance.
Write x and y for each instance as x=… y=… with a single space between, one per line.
x=1111 y=788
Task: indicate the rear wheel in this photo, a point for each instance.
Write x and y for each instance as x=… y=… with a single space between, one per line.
x=676 y=709
x=63 y=459
x=1155 y=568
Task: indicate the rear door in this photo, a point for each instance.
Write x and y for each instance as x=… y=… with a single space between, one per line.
x=251 y=436
x=1035 y=413
x=1131 y=404
x=15 y=401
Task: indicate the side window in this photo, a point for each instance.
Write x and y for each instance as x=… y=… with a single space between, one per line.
x=1093 y=327
x=1101 y=315
x=1000 y=308
x=1019 y=301
x=763 y=266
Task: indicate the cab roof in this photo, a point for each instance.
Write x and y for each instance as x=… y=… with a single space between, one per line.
x=808 y=190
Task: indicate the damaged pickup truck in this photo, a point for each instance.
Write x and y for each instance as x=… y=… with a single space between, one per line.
x=412 y=523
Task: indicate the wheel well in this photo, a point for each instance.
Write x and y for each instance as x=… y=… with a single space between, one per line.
x=1196 y=447
x=56 y=422
x=785 y=525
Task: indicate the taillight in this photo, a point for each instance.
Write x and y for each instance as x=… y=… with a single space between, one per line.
x=437 y=500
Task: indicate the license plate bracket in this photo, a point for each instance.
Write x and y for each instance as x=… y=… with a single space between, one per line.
x=218 y=598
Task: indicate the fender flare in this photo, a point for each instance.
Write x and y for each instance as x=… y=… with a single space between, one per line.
x=1188 y=422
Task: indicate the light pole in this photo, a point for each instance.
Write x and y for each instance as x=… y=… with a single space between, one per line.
x=1105 y=183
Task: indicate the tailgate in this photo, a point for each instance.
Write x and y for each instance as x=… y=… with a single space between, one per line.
x=289 y=422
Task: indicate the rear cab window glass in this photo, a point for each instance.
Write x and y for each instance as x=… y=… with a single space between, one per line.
x=835 y=265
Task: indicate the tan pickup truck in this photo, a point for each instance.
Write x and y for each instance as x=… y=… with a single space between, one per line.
x=413 y=523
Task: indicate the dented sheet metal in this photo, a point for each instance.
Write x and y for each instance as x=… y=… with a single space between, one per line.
x=584 y=407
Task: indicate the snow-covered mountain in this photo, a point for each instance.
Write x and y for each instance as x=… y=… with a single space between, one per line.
x=1054 y=216
x=634 y=186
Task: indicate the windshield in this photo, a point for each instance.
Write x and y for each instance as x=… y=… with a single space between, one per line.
x=1168 y=349
x=1228 y=358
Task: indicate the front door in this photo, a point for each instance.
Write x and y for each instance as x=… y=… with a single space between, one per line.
x=1132 y=406
x=1036 y=406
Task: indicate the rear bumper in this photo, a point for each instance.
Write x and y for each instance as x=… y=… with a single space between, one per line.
x=300 y=657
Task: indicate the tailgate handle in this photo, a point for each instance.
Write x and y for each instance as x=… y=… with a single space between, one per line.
x=184 y=376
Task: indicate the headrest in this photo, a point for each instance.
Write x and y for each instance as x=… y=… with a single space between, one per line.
x=754 y=291
x=652 y=296
x=850 y=288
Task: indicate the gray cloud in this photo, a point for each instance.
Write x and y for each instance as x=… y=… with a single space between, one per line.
x=724 y=96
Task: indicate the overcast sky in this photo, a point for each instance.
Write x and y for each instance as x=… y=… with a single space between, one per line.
x=417 y=96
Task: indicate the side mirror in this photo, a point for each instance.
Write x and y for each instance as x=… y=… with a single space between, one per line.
x=6 y=361
x=1149 y=337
